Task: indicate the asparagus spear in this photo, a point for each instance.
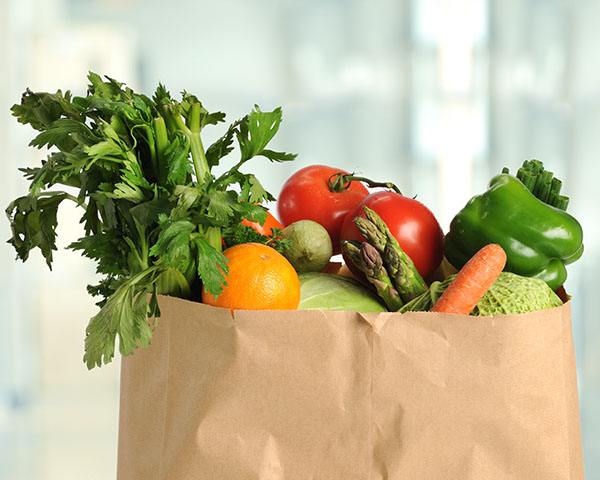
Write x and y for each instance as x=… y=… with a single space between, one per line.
x=352 y=250
x=401 y=269
x=369 y=261
x=369 y=230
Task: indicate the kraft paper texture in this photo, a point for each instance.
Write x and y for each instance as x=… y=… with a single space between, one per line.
x=313 y=395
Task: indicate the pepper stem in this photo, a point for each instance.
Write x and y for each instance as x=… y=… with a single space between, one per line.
x=340 y=182
x=541 y=183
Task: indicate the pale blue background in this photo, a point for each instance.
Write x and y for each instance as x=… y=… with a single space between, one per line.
x=435 y=95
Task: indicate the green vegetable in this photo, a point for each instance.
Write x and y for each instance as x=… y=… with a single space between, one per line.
x=541 y=183
x=400 y=266
x=327 y=291
x=154 y=214
x=539 y=239
x=510 y=294
x=310 y=246
x=384 y=263
x=366 y=257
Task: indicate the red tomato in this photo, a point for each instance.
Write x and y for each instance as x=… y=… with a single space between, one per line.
x=306 y=196
x=412 y=223
x=264 y=229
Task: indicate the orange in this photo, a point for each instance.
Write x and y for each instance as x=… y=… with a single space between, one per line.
x=260 y=278
x=266 y=228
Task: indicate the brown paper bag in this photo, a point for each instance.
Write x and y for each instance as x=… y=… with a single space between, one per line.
x=308 y=395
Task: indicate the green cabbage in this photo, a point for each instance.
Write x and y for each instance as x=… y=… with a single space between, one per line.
x=510 y=294
x=327 y=291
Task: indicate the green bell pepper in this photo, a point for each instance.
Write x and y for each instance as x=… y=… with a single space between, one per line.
x=539 y=239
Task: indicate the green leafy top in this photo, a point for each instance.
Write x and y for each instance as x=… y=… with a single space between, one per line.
x=154 y=215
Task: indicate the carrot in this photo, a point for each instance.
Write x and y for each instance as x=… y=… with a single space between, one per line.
x=472 y=281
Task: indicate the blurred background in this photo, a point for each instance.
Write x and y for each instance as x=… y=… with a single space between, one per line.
x=434 y=95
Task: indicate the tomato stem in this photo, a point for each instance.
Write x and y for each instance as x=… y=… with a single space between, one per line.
x=340 y=182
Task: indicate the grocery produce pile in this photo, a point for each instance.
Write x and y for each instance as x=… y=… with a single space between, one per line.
x=158 y=220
